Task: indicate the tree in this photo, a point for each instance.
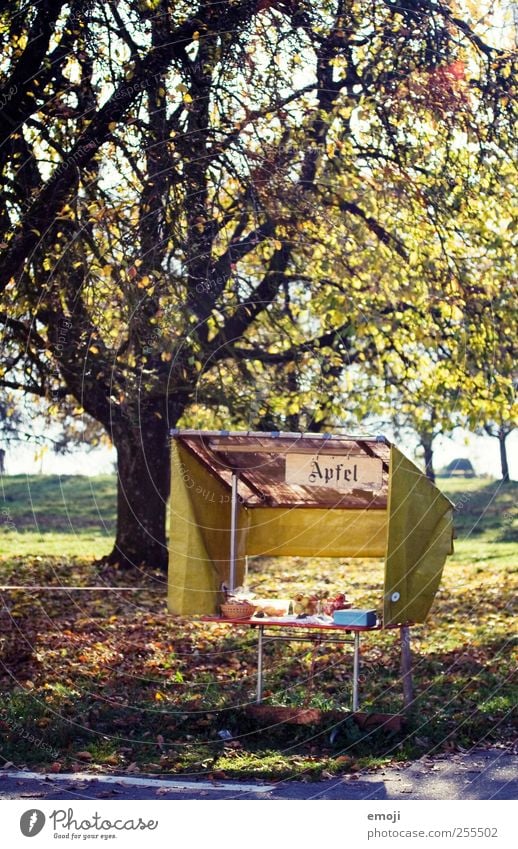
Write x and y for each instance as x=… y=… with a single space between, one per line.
x=501 y=431
x=196 y=196
x=488 y=402
x=10 y=420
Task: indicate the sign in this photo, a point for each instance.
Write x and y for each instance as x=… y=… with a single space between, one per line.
x=334 y=471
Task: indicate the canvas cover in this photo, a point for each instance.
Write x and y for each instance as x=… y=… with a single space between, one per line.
x=199 y=536
x=420 y=534
x=406 y=520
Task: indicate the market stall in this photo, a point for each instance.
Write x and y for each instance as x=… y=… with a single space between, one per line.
x=236 y=495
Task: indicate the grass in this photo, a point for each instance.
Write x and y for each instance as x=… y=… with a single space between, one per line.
x=46 y=515
x=110 y=681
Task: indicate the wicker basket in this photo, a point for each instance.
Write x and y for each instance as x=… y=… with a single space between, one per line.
x=237 y=610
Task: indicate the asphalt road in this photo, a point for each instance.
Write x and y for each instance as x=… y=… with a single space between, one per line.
x=479 y=774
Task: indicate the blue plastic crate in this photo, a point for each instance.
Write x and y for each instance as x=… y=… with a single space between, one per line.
x=363 y=618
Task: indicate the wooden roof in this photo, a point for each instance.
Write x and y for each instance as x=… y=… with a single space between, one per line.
x=259 y=459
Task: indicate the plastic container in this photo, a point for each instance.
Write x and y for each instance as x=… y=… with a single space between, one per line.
x=359 y=618
x=272 y=606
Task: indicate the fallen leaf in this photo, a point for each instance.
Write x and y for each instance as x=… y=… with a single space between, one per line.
x=326 y=774
x=84 y=756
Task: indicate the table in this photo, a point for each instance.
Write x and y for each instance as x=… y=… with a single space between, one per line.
x=300 y=631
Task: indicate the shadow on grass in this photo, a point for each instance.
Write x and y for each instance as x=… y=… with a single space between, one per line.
x=60 y=503
x=490 y=507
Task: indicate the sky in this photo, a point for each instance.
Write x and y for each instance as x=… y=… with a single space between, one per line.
x=482 y=451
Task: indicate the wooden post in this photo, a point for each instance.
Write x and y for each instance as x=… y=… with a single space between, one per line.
x=356 y=671
x=406 y=666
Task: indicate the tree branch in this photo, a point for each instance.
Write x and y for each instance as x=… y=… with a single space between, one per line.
x=55 y=191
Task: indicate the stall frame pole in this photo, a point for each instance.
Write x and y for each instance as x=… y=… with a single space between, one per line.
x=233 y=532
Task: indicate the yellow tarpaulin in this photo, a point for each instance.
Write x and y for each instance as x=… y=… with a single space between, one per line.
x=311 y=532
x=420 y=532
x=199 y=537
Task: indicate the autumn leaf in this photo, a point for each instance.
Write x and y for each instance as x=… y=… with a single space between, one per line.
x=84 y=756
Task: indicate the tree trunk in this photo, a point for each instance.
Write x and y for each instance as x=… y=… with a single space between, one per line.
x=503 y=456
x=143 y=479
x=426 y=442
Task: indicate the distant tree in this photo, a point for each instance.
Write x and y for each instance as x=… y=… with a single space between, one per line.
x=501 y=431
x=10 y=422
x=460 y=466
x=490 y=402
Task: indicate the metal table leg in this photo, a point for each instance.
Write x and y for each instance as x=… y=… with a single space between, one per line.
x=259 y=694
x=356 y=670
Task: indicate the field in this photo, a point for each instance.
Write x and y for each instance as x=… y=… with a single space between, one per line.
x=109 y=680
